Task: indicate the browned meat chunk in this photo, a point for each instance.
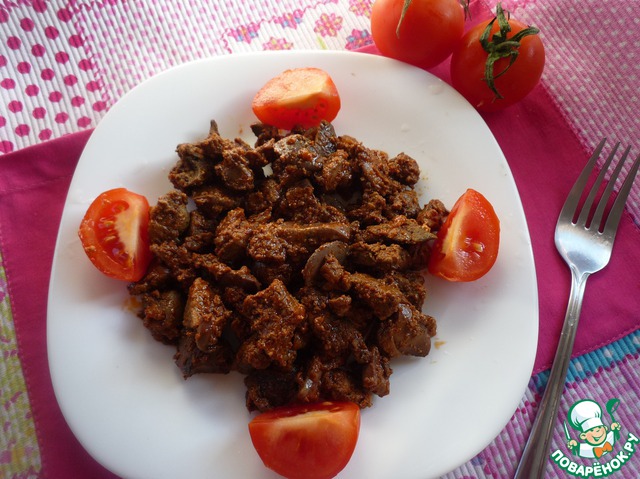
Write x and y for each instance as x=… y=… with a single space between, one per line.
x=404 y=169
x=191 y=171
x=404 y=203
x=300 y=204
x=162 y=315
x=314 y=234
x=399 y=230
x=340 y=305
x=274 y=315
x=192 y=360
x=379 y=257
x=263 y=198
x=343 y=385
x=205 y=314
x=232 y=236
x=337 y=172
x=265 y=133
x=338 y=249
x=234 y=171
x=338 y=337
x=224 y=274
x=269 y=388
x=375 y=376
x=374 y=168
x=324 y=138
x=409 y=332
x=335 y=276
x=410 y=283
x=199 y=235
x=169 y=218
x=370 y=209
x=214 y=200
x=178 y=260
x=157 y=278
x=433 y=215
x=266 y=246
x=383 y=299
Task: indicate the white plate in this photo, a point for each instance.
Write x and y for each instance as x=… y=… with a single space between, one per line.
x=121 y=392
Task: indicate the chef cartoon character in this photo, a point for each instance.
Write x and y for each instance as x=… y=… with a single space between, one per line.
x=586 y=416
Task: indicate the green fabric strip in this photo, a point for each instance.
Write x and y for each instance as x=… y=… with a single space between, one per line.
x=19 y=452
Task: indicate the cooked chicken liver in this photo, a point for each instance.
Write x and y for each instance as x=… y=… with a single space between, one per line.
x=295 y=262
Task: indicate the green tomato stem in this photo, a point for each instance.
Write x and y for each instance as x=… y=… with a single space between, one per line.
x=500 y=47
x=405 y=7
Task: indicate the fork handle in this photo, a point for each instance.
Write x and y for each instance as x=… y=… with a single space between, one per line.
x=536 y=451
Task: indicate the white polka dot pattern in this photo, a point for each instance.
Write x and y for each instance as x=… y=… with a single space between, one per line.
x=46 y=76
x=61 y=68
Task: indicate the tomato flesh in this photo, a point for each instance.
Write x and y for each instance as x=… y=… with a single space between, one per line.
x=307 y=441
x=468 y=69
x=115 y=234
x=298 y=97
x=429 y=31
x=467 y=244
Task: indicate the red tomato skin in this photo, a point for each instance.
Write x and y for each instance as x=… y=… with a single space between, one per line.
x=467 y=244
x=468 y=64
x=316 y=99
x=428 y=34
x=108 y=255
x=318 y=447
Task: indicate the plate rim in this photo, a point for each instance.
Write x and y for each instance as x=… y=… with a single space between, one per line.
x=95 y=136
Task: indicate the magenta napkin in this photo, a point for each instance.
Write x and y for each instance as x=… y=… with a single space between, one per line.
x=543 y=153
x=546 y=158
x=33 y=186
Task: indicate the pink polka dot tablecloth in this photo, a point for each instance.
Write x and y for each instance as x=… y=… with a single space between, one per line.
x=64 y=64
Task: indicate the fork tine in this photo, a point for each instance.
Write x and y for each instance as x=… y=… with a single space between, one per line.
x=571 y=203
x=618 y=206
x=586 y=208
x=597 y=216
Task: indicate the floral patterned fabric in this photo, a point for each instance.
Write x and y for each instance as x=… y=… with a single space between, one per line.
x=19 y=453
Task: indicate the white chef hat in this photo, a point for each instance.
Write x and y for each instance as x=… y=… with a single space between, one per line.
x=585 y=414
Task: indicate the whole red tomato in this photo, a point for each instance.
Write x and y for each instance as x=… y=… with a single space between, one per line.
x=513 y=70
x=424 y=35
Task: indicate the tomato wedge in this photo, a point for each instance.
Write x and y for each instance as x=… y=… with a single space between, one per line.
x=115 y=234
x=467 y=244
x=297 y=97
x=307 y=441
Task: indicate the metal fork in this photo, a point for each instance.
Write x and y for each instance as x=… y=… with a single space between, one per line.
x=585 y=244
